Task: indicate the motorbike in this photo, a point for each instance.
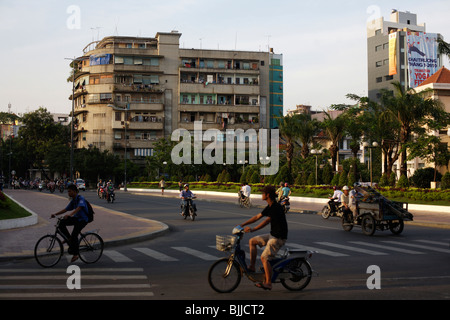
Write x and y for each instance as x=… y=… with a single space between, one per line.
x=332 y=209
x=292 y=268
x=61 y=187
x=101 y=192
x=187 y=208
x=110 y=196
x=284 y=202
x=41 y=186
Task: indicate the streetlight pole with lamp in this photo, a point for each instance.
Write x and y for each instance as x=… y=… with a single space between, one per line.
x=316 y=153
x=367 y=145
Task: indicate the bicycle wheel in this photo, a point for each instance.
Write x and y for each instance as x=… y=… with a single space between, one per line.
x=91 y=247
x=224 y=275
x=300 y=275
x=192 y=213
x=48 y=251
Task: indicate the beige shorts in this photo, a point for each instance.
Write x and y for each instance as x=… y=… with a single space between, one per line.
x=273 y=245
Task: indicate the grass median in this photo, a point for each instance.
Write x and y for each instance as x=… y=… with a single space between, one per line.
x=10 y=209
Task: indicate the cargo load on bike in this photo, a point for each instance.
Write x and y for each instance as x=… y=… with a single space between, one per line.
x=376 y=212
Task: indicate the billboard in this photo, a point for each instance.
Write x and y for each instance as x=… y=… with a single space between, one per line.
x=393 y=54
x=422 y=56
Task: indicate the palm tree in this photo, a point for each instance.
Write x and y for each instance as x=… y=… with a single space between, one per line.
x=443 y=47
x=412 y=111
x=289 y=130
x=307 y=129
x=334 y=129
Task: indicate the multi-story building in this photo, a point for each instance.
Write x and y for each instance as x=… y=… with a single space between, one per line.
x=136 y=90
x=378 y=60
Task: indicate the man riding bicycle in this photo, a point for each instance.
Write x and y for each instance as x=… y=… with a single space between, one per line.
x=77 y=218
x=275 y=215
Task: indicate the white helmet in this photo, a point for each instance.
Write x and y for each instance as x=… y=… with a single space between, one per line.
x=345 y=188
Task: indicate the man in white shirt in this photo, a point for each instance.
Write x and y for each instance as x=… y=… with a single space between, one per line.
x=246 y=190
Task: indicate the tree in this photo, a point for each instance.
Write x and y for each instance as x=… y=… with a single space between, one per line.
x=307 y=129
x=334 y=129
x=413 y=112
x=289 y=129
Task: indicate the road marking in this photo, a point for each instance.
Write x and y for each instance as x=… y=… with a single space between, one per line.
x=89 y=277
x=84 y=286
x=76 y=294
x=155 y=254
x=319 y=250
x=374 y=253
x=418 y=246
x=196 y=253
x=386 y=247
x=116 y=256
x=61 y=270
x=434 y=242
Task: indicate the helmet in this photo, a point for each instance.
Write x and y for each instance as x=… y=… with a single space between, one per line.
x=186 y=185
x=345 y=188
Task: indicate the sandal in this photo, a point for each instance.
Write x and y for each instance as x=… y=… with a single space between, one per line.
x=74 y=258
x=263 y=286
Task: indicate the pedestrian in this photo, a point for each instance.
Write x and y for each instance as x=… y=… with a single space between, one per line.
x=162 y=185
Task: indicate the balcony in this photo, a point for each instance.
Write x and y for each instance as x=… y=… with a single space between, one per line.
x=222 y=88
x=147 y=105
x=139 y=125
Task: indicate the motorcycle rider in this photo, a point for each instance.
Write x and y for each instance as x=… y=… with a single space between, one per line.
x=275 y=215
x=286 y=191
x=336 y=196
x=346 y=202
x=186 y=193
x=279 y=191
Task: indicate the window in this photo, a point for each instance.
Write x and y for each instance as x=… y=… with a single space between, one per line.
x=118 y=116
x=379 y=79
x=379 y=64
x=378 y=48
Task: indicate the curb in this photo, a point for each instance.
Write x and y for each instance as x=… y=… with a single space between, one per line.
x=8 y=224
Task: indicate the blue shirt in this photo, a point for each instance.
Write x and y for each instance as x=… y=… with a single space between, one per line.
x=186 y=194
x=286 y=191
x=79 y=201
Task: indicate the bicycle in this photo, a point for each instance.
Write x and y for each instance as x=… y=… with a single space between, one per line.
x=244 y=201
x=292 y=269
x=49 y=248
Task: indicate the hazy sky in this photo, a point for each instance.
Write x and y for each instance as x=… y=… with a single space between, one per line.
x=323 y=43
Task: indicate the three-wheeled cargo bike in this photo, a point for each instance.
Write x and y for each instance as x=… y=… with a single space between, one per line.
x=375 y=212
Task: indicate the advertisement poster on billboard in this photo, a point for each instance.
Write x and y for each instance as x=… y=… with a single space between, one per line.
x=422 y=56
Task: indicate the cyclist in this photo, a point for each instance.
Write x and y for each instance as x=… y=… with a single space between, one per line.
x=245 y=191
x=275 y=215
x=186 y=193
x=77 y=218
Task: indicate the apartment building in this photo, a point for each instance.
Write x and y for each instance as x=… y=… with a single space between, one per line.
x=131 y=91
x=384 y=64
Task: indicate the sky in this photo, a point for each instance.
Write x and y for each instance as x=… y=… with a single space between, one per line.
x=324 y=43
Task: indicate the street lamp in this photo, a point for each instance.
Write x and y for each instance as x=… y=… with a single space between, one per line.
x=367 y=145
x=316 y=153
x=73 y=114
x=266 y=160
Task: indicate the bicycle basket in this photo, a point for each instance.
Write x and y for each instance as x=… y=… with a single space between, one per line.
x=225 y=243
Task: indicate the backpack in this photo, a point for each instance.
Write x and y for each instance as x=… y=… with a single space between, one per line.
x=90 y=212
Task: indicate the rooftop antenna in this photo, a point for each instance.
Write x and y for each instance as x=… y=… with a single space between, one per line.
x=98 y=33
x=200 y=42
x=268 y=42
x=116 y=31
x=9 y=107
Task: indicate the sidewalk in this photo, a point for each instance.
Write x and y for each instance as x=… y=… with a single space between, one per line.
x=114 y=227
x=118 y=228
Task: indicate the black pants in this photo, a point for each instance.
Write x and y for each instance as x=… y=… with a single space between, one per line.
x=73 y=238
